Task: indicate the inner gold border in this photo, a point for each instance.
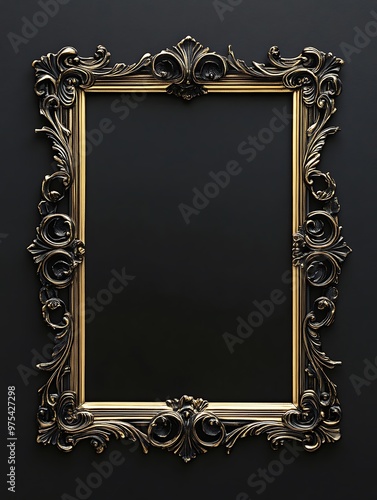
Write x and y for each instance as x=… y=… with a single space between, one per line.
x=143 y=411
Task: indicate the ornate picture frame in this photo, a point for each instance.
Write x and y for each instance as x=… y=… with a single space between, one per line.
x=188 y=426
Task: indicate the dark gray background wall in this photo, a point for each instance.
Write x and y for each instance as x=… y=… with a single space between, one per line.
x=129 y=29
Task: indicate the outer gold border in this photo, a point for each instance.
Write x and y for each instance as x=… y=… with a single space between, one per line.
x=226 y=411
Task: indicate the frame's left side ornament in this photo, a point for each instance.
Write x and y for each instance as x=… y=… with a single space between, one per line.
x=57 y=252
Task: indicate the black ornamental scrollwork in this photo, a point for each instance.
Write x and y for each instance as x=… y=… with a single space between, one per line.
x=187 y=426
x=188 y=429
x=187 y=67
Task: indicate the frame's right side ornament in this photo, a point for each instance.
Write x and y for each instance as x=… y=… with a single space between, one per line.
x=318 y=247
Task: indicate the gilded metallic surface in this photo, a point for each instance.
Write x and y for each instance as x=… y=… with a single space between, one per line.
x=188 y=426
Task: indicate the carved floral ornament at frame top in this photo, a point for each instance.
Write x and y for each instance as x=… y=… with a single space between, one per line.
x=186 y=426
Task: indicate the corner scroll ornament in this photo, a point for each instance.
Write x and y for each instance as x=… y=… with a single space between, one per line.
x=63 y=424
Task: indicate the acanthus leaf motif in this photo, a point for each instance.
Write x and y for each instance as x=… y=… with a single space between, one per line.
x=188 y=429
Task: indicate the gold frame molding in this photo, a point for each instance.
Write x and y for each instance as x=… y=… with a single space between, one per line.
x=188 y=426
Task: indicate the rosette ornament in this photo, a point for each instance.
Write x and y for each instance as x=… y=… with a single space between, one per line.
x=56 y=251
